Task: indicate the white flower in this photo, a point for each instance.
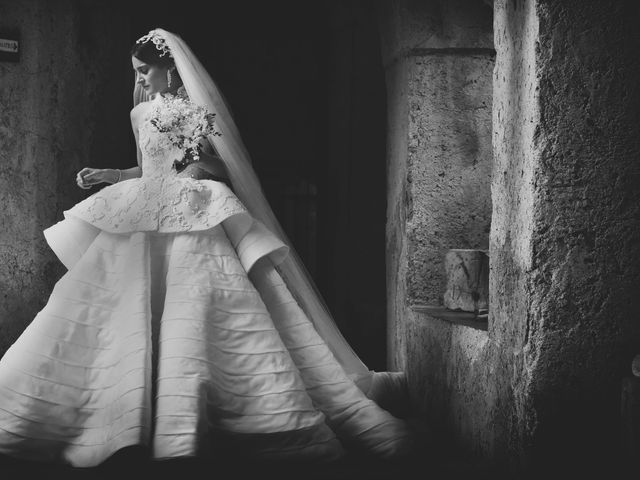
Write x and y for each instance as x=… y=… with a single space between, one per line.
x=184 y=122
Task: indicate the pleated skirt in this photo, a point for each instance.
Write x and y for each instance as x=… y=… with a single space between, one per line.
x=166 y=341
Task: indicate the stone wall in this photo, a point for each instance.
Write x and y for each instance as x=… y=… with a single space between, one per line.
x=564 y=242
x=515 y=115
x=60 y=108
x=566 y=268
x=542 y=385
x=439 y=60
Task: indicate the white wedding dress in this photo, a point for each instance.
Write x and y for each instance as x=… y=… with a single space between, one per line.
x=173 y=329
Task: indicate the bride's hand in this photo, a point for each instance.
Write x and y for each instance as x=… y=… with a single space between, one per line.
x=87 y=177
x=193 y=171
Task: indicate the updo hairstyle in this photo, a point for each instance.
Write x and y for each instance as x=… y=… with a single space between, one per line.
x=148 y=53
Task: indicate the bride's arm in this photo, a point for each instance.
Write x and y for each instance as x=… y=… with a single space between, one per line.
x=87 y=177
x=210 y=162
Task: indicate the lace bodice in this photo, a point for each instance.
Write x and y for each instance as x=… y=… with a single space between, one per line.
x=161 y=200
x=158 y=148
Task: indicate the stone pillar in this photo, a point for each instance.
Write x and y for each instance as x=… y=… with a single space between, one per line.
x=438 y=57
x=565 y=238
x=542 y=385
x=64 y=106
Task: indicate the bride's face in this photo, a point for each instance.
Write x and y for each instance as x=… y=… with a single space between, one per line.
x=152 y=78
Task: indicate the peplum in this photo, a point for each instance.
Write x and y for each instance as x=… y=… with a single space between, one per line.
x=158 y=204
x=162 y=202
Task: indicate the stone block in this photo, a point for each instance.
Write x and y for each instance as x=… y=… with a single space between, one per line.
x=467 y=274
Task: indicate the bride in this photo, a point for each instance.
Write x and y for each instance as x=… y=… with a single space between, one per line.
x=185 y=321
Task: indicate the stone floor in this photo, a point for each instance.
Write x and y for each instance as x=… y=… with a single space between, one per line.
x=348 y=469
x=422 y=467
x=433 y=460
x=430 y=461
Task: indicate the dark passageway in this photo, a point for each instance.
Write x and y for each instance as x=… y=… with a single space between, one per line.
x=306 y=86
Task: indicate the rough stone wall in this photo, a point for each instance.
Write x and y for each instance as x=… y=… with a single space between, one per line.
x=515 y=116
x=582 y=326
x=397 y=205
x=452 y=384
x=542 y=385
x=438 y=58
x=58 y=108
x=449 y=164
x=564 y=243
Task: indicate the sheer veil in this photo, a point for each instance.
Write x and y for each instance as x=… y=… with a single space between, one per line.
x=203 y=91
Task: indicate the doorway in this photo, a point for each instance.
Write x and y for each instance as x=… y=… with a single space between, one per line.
x=305 y=84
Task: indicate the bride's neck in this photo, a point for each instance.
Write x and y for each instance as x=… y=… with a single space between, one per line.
x=173 y=90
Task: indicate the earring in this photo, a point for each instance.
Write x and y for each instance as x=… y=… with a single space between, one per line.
x=168 y=78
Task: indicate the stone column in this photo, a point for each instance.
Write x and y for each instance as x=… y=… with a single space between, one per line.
x=565 y=238
x=64 y=106
x=542 y=385
x=438 y=57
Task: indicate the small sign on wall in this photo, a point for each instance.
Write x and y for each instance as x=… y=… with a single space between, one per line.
x=9 y=47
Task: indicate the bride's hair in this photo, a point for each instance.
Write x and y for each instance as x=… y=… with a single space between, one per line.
x=148 y=53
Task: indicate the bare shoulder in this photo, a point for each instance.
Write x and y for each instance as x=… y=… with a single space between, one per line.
x=139 y=111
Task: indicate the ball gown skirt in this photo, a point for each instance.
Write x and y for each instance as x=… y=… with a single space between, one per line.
x=164 y=339
x=173 y=329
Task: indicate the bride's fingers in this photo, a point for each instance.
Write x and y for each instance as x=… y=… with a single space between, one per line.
x=81 y=182
x=90 y=178
x=85 y=171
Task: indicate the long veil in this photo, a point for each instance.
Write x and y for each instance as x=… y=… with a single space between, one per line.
x=203 y=91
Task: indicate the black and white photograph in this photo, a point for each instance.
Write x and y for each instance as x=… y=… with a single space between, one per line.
x=320 y=239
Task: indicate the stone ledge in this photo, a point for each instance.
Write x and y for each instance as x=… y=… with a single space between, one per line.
x=468 y=319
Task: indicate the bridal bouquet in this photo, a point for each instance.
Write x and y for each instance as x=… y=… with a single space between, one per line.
x=185 y=125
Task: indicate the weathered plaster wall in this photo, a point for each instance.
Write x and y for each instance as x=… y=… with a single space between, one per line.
x=59 y=112
x=439 y=62
x=581 y=275
x=397 y=210
x=438 y=58
x=542 y=386
x=449 y=145
x=564 y=242
x=515 y=116
x=449 y=164
x=452 y=383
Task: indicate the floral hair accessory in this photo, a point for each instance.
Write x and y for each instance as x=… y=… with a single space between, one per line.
x=158 y=41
